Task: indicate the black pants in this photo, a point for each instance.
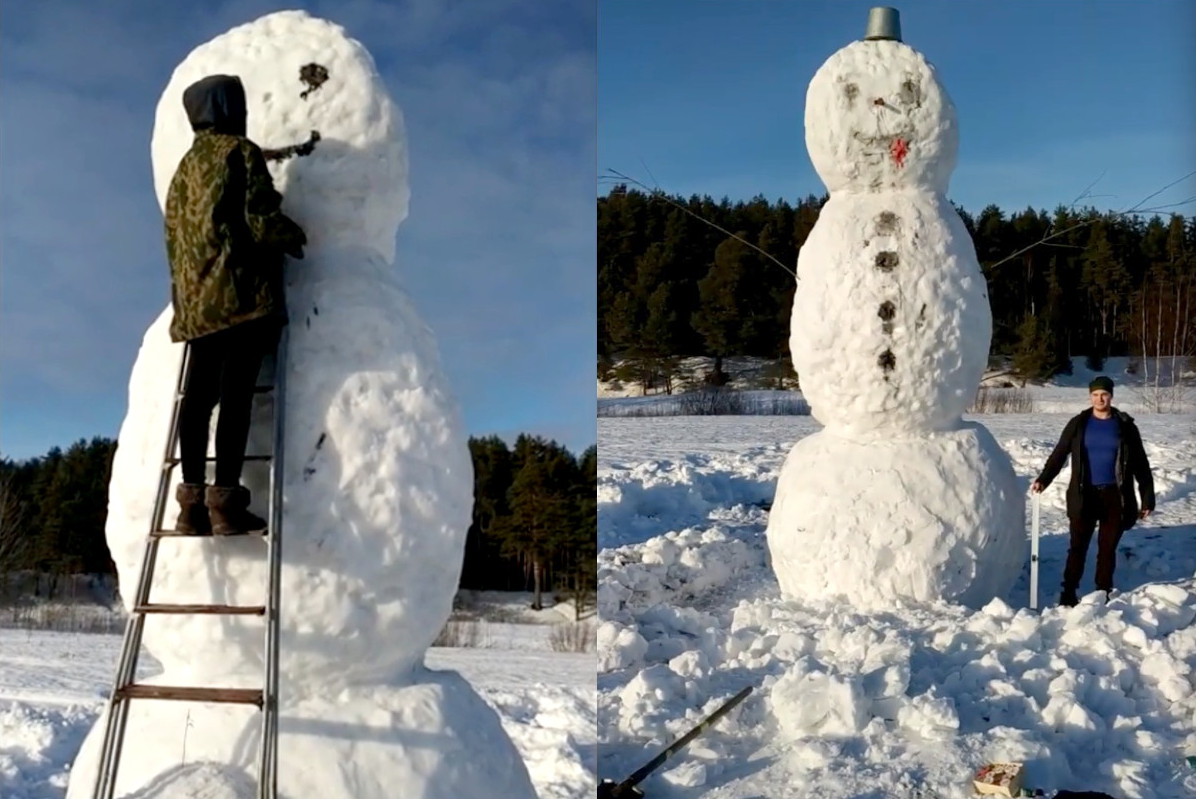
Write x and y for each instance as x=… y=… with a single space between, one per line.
x=1101 y=504
x=224 y=368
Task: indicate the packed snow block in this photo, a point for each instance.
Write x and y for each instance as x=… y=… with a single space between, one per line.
x=935 y=516
x=618 y=647
x=377 y=478
x=929 y=716
x=813 y=700
x=432 y=738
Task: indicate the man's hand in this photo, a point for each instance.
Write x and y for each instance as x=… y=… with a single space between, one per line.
x=1037 y=487
x=1145 y=512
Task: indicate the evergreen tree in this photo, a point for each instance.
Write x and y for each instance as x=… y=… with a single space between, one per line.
x=1034 y=358
x=722 y=320
x=538 y=522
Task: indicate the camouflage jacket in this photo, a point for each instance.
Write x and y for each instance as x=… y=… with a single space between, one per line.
x=226 y=237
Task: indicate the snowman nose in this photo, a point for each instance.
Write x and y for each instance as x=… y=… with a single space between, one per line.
x=879 y=101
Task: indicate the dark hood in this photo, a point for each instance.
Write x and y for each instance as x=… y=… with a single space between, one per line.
x=217 y=102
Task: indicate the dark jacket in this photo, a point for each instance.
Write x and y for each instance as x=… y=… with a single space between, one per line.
x=225 y=233
x=1131 y=463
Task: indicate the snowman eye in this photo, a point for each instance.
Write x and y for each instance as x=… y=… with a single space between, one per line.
x=908 y=93
x=850 y=90
x=312 y=76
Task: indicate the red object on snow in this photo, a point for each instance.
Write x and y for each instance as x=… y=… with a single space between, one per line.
x=899 y=150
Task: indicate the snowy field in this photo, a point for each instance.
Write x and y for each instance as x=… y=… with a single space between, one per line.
x=53 y=685
x=906 y=703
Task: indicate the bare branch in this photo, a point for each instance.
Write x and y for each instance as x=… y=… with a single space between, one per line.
x=1135 y=209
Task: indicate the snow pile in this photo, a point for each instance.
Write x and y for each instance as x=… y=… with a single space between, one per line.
x=903 y=700
x=680 y=565
x=377 y=479
x=939 y=685
x=37 y=746
x=637 y=501
x=554 y=728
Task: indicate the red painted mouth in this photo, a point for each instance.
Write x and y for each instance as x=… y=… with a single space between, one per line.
x=899 y=151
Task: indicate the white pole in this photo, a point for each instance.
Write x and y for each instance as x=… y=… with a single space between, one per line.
x=1033 y=555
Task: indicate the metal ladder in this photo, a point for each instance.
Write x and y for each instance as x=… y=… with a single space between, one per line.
x=125 y=688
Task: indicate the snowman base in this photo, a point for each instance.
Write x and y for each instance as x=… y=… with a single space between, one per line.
x=924 y=517
x=432 y=738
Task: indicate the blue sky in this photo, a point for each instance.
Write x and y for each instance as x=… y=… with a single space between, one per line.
x=498 y=250
x=708 y=97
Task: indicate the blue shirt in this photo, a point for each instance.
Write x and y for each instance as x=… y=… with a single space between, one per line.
x=1100 y=440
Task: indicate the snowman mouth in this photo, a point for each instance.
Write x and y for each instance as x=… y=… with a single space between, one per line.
x=882 y=140
x=303 y=149
x=895 y=147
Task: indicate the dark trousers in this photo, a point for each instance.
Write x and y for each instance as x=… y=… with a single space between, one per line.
x=1101 y=504
x=224 y=368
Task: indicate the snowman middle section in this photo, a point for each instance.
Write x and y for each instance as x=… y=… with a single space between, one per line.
x=891 y=323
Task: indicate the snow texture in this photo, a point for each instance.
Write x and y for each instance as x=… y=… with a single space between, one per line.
x=926 y=517
x=891 y=328
x=376 y=477
x=902 y=701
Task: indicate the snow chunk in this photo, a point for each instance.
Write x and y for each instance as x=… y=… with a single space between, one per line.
x=929 y=716
x=619 y=647
x=810 y=701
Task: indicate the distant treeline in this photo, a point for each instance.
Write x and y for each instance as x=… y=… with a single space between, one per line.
x=534 y=522
x=671 y=285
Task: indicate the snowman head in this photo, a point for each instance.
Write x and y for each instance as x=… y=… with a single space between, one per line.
x=312 y=95
x=876 y=118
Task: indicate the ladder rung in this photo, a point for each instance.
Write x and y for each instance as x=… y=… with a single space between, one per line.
x=199 y=694
x=167 y=608
x=164 y=534
x=173 y=460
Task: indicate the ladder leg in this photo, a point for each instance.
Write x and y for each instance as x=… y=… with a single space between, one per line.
x=118 y=710
x=269 y=744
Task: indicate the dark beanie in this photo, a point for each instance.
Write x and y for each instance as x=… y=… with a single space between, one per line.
x=1101 y=382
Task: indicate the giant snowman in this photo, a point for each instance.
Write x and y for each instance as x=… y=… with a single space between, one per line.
x=897 y=497
x=377 y=479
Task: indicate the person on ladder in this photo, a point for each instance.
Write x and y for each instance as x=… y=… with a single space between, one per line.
x=1107 y=454
x=226 y=238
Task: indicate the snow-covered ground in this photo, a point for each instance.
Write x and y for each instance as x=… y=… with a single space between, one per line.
x=53 y=685
x=903 y=703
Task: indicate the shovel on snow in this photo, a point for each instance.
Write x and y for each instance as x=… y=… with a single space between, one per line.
x=628 y=787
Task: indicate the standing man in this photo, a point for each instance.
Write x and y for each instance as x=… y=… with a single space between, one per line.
x=1106 y=455
x=226 y=238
